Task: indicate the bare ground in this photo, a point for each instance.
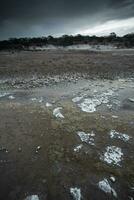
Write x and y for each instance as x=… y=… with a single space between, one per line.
x=54 y=62
x=37 y=148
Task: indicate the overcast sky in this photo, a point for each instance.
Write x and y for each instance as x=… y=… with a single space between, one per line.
x=20 y=18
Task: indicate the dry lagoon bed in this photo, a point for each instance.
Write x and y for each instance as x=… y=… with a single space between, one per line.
x=67 y=125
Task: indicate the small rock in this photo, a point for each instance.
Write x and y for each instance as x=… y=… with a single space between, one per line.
x=38 y=148
x=57 y=113
x=48 y=104
x=105 y=187
x=11 y=97
x=33 y=99
x=114 y=116
x=44 y=181
x=131 y=198
x=112 y=178
x=130 y=99
x=19 y=149
x=76 y=193
x=41 y=100
x=32 y=197
x=78 y=147
x=3 y=149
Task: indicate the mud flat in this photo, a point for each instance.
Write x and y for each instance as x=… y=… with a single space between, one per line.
x=67 y=125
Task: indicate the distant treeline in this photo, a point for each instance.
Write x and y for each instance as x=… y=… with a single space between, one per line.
x=126 y=41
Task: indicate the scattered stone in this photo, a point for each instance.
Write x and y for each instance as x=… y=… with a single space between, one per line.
x=112 y=178
x=114 y=116
x=32 y=197
x=95 y=91
x=44 y=181
x=3 y=94
x=121 y=88
x=57 y=113
x=3 y=149
x=76 y=193
x=33 y=99
x=113 y=155
x=4 y=161
x=48 y=104
x=105 y=186
x=11 y=97
x=103 y=117
x=109 y=106
x=86 y=137
x=116 y=135
x=41 y=100
x=77 y=99
x=131 y=99
x=38 y=148
x=90 y=104
x=19 y=149
x=131 y=198
x=77 y=148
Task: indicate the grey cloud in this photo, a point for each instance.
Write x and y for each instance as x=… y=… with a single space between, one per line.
x=37 y=17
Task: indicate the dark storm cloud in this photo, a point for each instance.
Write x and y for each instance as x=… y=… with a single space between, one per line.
x=37 y=17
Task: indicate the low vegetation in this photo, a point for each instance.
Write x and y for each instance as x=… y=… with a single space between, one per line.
x=126 y=41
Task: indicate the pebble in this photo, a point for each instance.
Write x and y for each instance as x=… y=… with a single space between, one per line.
x=11 y=97
x=32 y=197
x=130 y=99
x=112 y=178
x=38 y=148
x=19 y=149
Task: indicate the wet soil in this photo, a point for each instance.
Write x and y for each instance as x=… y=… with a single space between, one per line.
x=37 y=148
